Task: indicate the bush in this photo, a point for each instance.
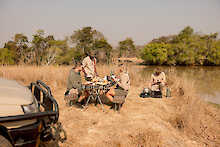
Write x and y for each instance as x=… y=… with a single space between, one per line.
x=6 y=57
x=155 y=53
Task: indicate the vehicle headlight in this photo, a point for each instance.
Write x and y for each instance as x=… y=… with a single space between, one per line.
x=31 y=108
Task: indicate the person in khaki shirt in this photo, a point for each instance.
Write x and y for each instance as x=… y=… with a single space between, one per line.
x=89 y=66
x=158 y=80
x=119 y=93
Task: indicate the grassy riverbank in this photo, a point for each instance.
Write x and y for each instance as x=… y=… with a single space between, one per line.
x=182 y=120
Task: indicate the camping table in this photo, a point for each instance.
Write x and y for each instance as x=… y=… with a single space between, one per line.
x=95 y=90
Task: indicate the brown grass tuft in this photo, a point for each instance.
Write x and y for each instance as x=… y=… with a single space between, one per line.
x=146 y=138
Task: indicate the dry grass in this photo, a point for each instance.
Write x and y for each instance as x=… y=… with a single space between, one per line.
x=183 y=120
x=52 y=75
x=55 y=75
x=194 y=117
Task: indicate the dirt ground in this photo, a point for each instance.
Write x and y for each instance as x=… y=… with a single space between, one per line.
x=141 y=122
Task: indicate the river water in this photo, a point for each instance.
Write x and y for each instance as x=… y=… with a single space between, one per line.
x=206 y=79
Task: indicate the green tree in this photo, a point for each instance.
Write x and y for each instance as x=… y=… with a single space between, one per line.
x=19 y=48
x=184 y=35
x=103 y=49
x=155 y=53
x=184 y=54
x=127 y=48
x=71 y=56
x=12 y=47
x=185 y=48
x=56 y=51
x=213 y=57
x=87 y=39
x=84 y=39
x=6 y=56
x=39 y=46
x=44 y=49
x=22 y=47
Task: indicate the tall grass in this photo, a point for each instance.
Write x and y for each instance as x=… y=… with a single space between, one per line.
x=54 y=76
x=192 y=116
x=188 y=114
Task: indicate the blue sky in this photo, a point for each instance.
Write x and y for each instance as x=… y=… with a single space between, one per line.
x=141 y=20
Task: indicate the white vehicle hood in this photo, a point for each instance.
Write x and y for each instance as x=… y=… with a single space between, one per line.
x=12 y=93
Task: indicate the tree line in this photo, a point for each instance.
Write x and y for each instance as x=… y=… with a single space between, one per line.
x=46 y=50
x=184 y=48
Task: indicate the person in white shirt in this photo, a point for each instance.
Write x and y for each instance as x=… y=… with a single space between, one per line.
x=89 y=66
x=119 y=93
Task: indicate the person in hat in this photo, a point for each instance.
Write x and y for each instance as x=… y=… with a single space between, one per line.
x=89 y=66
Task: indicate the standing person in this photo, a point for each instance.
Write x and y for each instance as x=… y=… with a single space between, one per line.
x=119 y=93
x=89 y=69
x=89 y=66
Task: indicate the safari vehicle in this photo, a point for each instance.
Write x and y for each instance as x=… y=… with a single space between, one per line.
x=28 y=115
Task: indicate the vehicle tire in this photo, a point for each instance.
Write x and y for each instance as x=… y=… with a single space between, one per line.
x=4 y=142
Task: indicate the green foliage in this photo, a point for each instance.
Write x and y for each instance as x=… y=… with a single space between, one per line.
x=39 y=46
x=87 y=39
x=57 y=51
x=103 y=49
x=186 y=48
x=22 y=47
x=6 y=57
x=18 y=48
x=155 y=53
x=44 y=49
x=127 y=47
x=69 y=57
